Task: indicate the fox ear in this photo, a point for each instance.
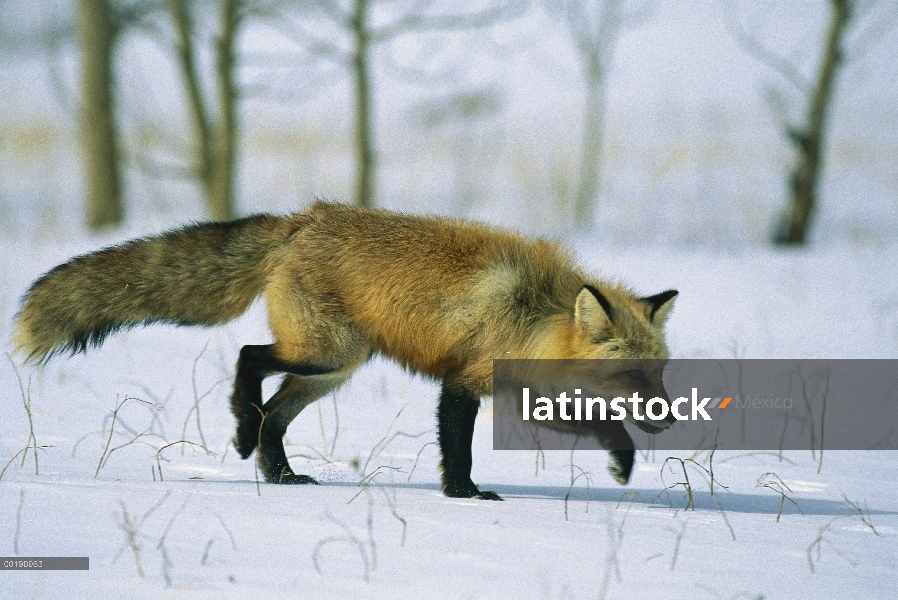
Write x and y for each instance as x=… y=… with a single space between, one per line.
x=592 y=311
x=660 y=306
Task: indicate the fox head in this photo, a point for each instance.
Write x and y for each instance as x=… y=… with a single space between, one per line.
x=616 y=324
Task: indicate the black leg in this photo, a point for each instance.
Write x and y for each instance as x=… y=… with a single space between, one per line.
x=273 y=459
x=246 y=401
x=456 y=412
x=621 y=450
x=256 y=363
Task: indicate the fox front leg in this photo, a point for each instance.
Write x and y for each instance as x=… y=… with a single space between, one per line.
x=621 y=449
x=456 y=412
x=620 y=465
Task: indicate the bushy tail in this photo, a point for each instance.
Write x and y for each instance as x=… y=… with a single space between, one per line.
x=202 y=274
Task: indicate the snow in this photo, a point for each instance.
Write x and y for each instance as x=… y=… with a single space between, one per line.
x=206 y=528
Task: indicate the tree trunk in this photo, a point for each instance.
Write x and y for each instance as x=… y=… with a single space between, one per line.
x=364 y=187
x=220 y=186
x=216 y=142
x=809 y=141
x=99 y=137
x=590 y=157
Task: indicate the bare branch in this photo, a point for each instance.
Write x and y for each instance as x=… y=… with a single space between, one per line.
x=15 y=539
x=107 y=451
x=135 y=14
x=351 y=538
x=190 y=72
x=878 y=27
x=678 y=538
x=418 y=456
x=761 y=53
x=417 y=21
x=309 y=42
x=131 y=531
x=333 y=10
x=26 y=400
x=779 y=486
x=159 y=453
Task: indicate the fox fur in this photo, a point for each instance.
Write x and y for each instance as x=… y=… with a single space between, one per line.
x=440 y=296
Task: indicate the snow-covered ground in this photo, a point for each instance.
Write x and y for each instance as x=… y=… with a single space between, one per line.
x=203 y=527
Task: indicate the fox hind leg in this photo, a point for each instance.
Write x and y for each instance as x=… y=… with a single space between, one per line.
x=246 y=401
x=255 y=364
x=293 y=396
x=456 y=412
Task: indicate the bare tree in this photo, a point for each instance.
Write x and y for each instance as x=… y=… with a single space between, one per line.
x=595 y=27
x=809 y=137
x=361 y=71
x=361 y=35
x=97 y=34
x=99 y=25
x=216 y=130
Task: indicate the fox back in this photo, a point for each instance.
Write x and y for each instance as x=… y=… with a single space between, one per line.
x=436 y=294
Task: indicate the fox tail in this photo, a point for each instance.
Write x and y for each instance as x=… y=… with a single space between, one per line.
x=203 y=274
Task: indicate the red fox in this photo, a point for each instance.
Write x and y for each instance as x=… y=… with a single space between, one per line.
x=442 y=297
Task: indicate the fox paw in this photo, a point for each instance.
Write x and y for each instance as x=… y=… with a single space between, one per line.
x=620 y=465
x=468 y=490
x=294 y=479
x=245 y=441
x=488 y=496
